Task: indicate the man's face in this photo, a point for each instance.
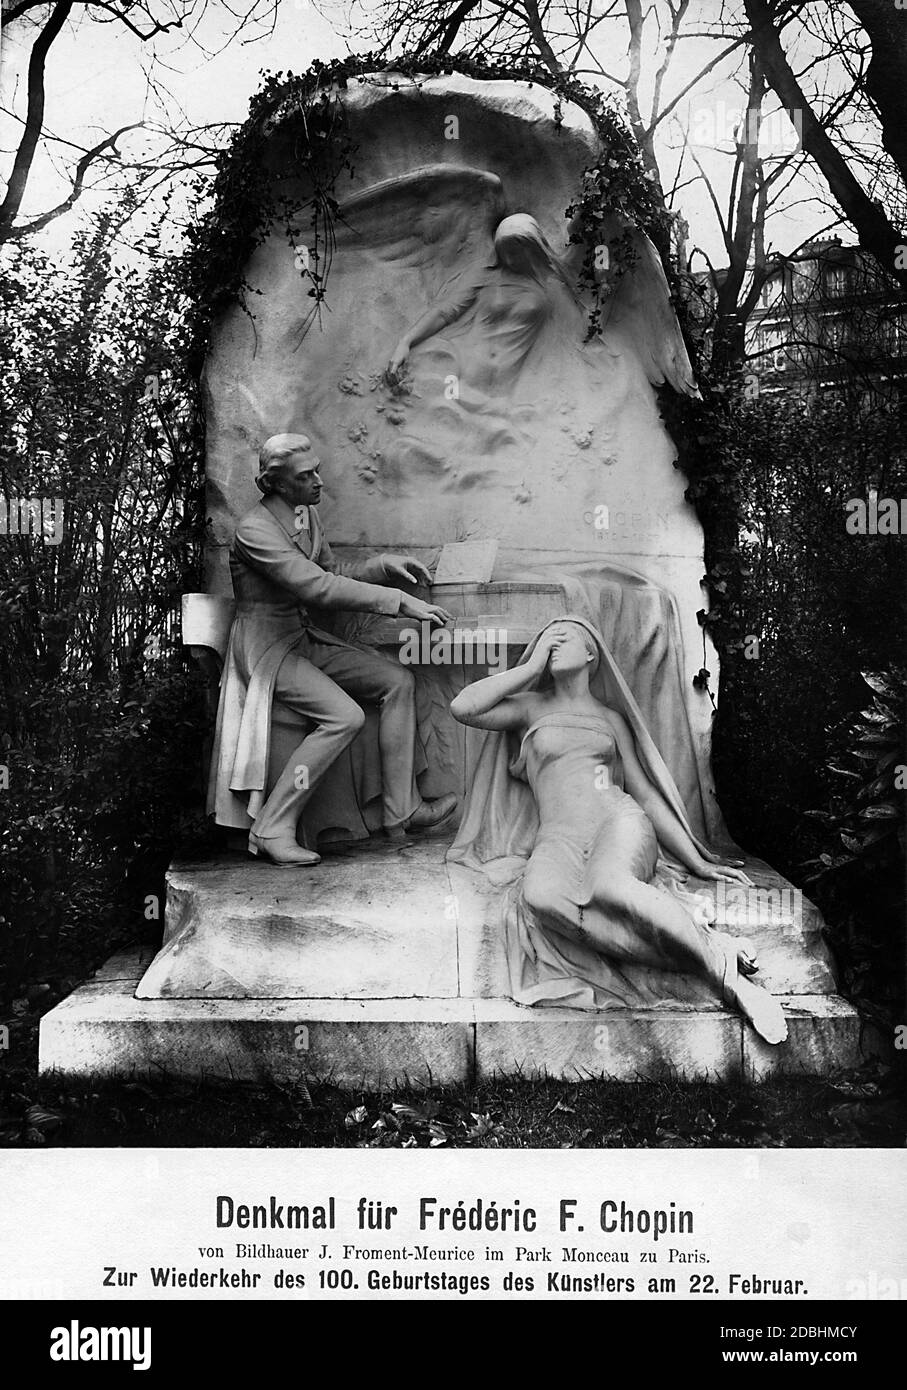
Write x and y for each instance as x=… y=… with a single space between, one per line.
x=299 y=482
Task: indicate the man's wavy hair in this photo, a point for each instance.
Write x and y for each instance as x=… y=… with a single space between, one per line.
x=274 y=454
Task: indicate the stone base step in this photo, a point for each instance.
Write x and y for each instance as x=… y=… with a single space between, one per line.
x=390 y=922
x=102 y=1029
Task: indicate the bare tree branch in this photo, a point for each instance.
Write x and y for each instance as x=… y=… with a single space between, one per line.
x=35 y=225
x=34 y=119
x=876 y=232
x=677 y=14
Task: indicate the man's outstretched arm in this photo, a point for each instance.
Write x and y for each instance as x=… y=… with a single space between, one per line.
x=377 y=569
x=285 y=565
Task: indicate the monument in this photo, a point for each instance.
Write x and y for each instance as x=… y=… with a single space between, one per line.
x=455 y=399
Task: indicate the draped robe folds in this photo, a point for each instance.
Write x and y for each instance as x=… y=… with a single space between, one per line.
x=499 y=831
x=270 y=622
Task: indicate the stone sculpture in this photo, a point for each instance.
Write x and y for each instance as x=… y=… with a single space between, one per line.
x=281 y=563
x=500 y=423
x=599 y=913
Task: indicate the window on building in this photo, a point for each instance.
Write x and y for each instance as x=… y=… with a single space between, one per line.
x=834 y=332
x=836 y=280
x=892 y=333
x=804 y=280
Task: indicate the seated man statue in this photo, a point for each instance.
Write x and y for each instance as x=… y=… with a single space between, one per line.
x=281 y=564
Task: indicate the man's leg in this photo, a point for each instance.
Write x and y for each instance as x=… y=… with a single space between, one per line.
x=310 y=692
x=385 y=683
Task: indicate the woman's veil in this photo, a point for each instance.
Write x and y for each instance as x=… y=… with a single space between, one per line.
x=500 y=821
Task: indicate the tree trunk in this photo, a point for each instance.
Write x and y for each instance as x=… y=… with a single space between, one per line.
x=886 y=76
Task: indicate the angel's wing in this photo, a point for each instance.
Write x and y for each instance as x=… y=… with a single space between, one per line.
x=438 y=219
x=641 y=306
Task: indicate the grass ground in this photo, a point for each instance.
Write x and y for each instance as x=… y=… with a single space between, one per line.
x=858 y=1109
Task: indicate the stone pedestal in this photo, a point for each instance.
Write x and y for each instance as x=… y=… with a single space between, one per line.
x=383 y=968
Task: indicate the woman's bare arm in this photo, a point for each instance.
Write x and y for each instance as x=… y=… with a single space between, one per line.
x=671 y=834
x=502 y=701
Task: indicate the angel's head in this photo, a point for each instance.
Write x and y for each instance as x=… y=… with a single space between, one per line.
x=521 y=246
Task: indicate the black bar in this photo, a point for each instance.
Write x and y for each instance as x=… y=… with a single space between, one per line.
x=634 y=1339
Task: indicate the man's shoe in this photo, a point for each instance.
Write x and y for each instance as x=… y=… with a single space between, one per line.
x=283 y=851
x=432 y=813
x=427 y=816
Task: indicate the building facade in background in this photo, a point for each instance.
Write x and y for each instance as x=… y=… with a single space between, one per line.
x=829 y=320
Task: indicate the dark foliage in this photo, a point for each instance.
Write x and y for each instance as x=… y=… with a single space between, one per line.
x=97 y=704
x=824 y=606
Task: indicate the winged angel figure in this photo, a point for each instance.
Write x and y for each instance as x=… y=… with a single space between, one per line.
x=489 y=367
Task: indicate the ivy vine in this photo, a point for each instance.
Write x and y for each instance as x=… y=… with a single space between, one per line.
x=252 y=193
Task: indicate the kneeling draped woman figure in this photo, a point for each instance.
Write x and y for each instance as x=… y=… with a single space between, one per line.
x=573 y=792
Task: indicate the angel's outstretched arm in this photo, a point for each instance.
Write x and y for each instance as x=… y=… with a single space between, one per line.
x=432 y=321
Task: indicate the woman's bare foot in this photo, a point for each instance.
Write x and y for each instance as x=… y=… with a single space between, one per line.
x=763 y=1011
x=755 y=1003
